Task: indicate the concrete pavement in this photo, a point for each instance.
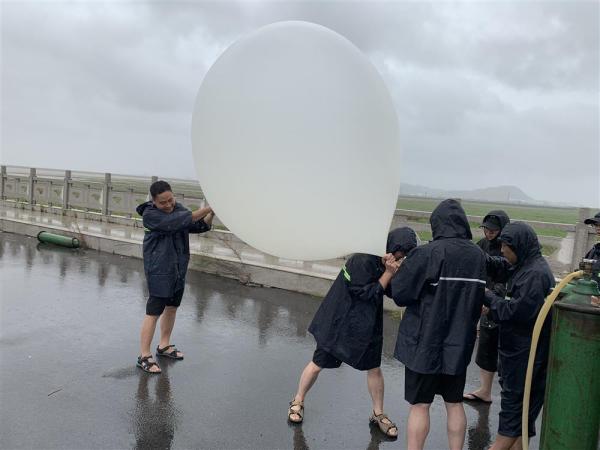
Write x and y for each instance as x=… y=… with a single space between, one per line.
x=69 y=337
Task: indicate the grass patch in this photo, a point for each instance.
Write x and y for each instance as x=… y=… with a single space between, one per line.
x=425 y=236
x=550 y=232
x=515 y=212
x=548 y=250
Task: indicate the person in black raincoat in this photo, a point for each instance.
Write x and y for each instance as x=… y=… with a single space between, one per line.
x=167 y=225
x=486 y=356
x=442 y=286
x=594 y=252
x=530 y=280
x=348 y=326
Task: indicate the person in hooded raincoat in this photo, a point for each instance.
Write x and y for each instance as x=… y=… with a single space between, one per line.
x=486 y=356
x=348 y=326
x=442 y=286
x=530 y=280
x=166 y=249
x=594 y=252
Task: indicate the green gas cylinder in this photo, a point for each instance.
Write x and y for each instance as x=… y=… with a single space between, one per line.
x=571 y=416
x=57 y=239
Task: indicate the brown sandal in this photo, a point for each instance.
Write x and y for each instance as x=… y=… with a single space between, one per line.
x=299 y=412
x=384 y=427
x=146 y=365
x=174 y=353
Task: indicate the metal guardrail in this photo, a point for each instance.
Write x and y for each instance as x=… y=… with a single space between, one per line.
x=113 y=198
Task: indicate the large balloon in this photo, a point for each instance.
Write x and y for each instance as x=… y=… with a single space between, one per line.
x=296 y=144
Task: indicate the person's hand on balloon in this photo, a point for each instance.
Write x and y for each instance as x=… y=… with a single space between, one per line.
x=209 y=217
x=391 y=265
x=203 y=213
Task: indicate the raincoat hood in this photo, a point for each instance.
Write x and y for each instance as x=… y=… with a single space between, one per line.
x=500 y=216
x=140 y=209
x=521 y=238
x=448 y=220
x=402 y=239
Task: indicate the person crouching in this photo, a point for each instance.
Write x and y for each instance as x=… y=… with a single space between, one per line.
x=348 y=326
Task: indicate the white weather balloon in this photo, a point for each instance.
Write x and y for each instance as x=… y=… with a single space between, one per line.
x=296 y=144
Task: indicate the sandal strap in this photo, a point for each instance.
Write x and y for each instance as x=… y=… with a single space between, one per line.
x=380 y=417
x=164 y=349
x=299 y=413
x=148 y=364
x=297 y=403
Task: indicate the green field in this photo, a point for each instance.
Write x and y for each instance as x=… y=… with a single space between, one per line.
x=515 y=212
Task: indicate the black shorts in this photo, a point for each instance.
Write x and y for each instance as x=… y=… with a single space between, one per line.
x=325 y=360
x=156 y=305
x=487 y=348
x=370 y=360
x=421 y=388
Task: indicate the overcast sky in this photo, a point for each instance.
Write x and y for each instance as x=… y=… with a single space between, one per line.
x=487 y=93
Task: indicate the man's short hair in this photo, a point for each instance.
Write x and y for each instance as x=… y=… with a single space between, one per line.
x=158 y=187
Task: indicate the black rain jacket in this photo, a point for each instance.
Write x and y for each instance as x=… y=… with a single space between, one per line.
x=594 y=252
x=529 y=282
x=493 y=248
x=350 y=318
x=442 y=286
x=167 y=247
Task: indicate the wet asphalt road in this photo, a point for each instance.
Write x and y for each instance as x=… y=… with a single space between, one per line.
x=69 y=337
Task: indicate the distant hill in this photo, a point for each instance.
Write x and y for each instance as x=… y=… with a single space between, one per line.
x=503 y=194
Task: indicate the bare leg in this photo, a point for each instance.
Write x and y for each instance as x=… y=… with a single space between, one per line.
x=518 y=445
x=307 y=379
x=418 y=425
x=148 y=327
x=485 y=390
x=456 y=425
x=167 y=322
x=146 y=335
x=505 y=443
x=376 y=386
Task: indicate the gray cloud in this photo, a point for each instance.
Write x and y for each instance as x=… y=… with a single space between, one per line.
x=487 y=93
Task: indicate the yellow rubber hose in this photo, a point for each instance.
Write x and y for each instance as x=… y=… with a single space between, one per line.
x=537 y=329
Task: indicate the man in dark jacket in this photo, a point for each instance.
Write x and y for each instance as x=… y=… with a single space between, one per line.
x=442 y=286
x=529 y=282
x=487 y=349
x=348 y=326
x=166 y=255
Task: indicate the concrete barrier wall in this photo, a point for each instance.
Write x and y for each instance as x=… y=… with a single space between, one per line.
x=112 y=198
